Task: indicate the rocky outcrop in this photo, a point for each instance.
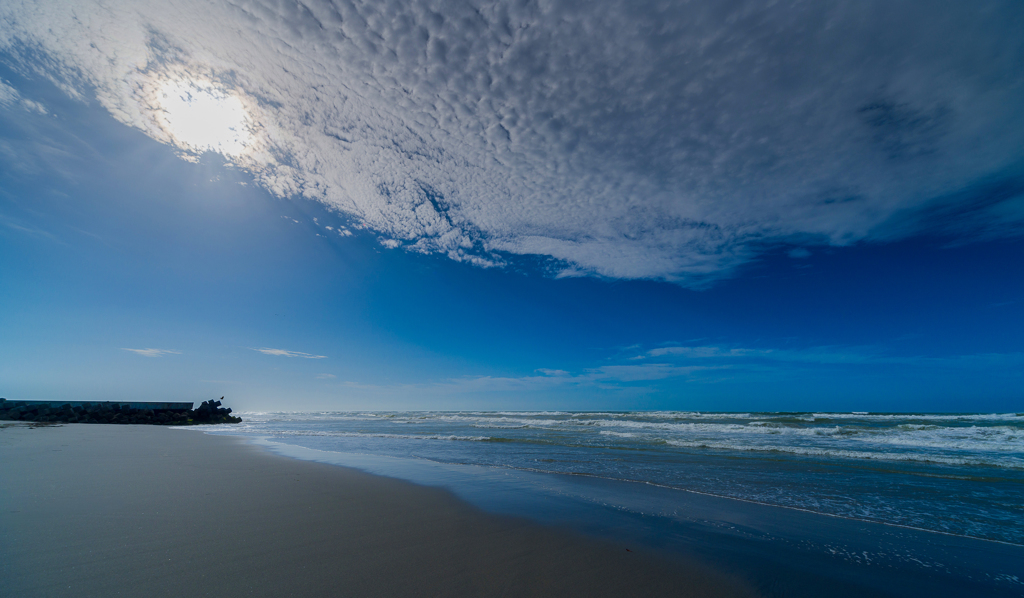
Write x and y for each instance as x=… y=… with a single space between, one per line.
x=209 y=412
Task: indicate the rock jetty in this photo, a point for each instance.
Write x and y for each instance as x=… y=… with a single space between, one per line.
x=209 y=412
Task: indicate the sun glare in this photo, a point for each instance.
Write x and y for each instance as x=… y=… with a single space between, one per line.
x=203 y=118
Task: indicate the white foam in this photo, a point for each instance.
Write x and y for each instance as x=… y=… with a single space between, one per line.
x=953 y=439
x=343 y=434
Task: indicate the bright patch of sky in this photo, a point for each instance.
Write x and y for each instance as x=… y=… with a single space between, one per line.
x=202 y=118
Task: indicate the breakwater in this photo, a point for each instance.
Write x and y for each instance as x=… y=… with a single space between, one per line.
x=117 y=412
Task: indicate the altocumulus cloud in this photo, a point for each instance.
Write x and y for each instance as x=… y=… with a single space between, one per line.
x=626 y=139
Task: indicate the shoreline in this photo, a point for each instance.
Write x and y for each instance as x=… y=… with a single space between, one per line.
x=709 y=495
x=780 y=550
x=229 y=515
x=94 y=510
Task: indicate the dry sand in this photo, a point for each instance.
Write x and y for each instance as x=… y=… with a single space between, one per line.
x=105 y=510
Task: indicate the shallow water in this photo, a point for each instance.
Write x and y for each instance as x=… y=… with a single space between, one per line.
x=958 y=474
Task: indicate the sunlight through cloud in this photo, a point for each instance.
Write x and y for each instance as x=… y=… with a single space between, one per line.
x=203 y=118
x=487 y=133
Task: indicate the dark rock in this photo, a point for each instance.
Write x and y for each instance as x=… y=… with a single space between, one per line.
x=209 y=412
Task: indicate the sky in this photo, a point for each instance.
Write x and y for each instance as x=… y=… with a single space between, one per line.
x=705 y=205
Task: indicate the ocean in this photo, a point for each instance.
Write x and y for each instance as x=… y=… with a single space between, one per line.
x=953 y=474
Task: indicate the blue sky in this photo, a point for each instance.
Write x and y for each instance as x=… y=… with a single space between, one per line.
x=356 y=246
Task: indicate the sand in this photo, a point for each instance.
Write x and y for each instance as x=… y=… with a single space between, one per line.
x=106 y=510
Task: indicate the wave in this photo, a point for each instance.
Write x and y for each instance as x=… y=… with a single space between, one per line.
x=342 y=434
x=567 y=417
x=990 y=439
x=955 y=472
x=1007 y=462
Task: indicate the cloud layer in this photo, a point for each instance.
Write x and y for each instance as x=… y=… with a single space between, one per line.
x=635 y=139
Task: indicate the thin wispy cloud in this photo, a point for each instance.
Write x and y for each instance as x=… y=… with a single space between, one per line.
x=285 y=353
x=152 y=352
x=652 y=140
x=823 y=355
x=549 y=372
x=29 y=230
x=808 y=355
x=696 y=352
x=325 y=376
x=610 y=377
x=709 y=366
x=10 y=98
x=8 y=95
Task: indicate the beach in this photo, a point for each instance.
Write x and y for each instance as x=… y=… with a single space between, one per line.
x=798 y=505
x=105 y=510
x=625 y=298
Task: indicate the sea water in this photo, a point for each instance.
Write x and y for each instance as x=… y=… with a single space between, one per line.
x=960 y=474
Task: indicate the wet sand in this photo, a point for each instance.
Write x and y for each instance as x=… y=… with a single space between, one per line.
x=106 y=510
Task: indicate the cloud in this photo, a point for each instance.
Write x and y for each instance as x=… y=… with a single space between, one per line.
x=678 y=382
x=808 y=355
x=35 y=232
x=550 y=372
x=10 y=97
x=707 y=365
x=696 y=352
x=152 y=352
x=607 y=377
x=284 y=353
x=736 y=357
x=325 y=376
x=637 y=140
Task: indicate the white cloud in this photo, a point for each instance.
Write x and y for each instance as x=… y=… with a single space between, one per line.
x=815 y=355
x=606 y=377
x=152 y=352
x=631 y=140
x=325 y=376
x=697 y=352
x=677 y=382
x=550 y=372
x=285 y=353
x=35 y=232
x=703 y=365
x=10 y=97
x=823 y=355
